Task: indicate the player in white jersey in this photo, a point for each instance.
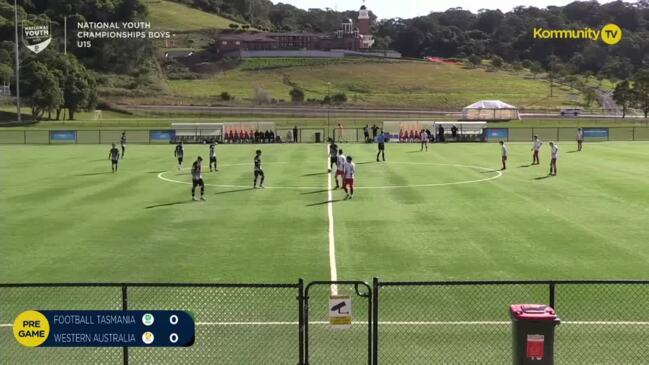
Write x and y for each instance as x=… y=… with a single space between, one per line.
x=423 y=136
x=213 y=156
x=504 y=151
x=536 y=147
x=341 y=161
x=350 y=175
x=554 y=150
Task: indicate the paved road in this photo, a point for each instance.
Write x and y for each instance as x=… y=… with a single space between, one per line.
x=355 y=112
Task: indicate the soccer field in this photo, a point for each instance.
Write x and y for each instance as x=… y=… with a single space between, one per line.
x=445 y=214
x=436 y=215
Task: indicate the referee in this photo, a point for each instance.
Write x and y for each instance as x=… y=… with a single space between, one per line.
x=380 y=139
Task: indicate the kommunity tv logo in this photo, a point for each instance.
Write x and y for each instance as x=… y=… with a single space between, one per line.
x=610 y=34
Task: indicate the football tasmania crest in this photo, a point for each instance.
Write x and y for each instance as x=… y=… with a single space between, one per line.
x=37 y=37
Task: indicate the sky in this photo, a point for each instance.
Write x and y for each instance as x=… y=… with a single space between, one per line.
x=412 y=8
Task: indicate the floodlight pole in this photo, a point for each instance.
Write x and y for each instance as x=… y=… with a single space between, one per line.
x=16 y=49
x=65 y=35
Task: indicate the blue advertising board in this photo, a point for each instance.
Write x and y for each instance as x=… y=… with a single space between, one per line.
x=63 y=136
x=496 y=133
x=596 y=133
x=166 y=135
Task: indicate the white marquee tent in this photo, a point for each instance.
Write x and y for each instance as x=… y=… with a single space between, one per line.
x=490 y=110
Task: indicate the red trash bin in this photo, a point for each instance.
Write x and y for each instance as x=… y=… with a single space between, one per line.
x=533 y=333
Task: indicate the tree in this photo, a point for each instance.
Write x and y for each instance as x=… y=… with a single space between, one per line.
x=641 y=92
x=41 y=88
x=497 y=61
x=297 y=95
x=80 y=91
x=536 y=68
x=475 y=60
x=6 y=73
x=225 y=96
x=623 y=96
x=339 y=98
x=590 y=95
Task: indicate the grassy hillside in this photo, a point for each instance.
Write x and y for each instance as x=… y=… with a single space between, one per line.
x=374 y=83
x=168 y=15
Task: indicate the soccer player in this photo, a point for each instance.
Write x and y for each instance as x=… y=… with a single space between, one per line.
x=123 y=142
x=424 y=140
x=504 y=154
x=259 y=172
x=348 y=183
x=197 y=178
x=179 y=153
x=536 y=147
x=380 y=140
x=553 y=162
x=341 y=161
x=213 y=156
x=113 y=155
x=333 y=152
x=580 y=138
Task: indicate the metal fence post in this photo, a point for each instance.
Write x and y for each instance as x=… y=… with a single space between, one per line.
x=301 y=325
x=375 y=323
x=124 y=307
x=552 y=293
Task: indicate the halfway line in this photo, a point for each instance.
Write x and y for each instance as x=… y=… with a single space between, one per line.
x=332 y=243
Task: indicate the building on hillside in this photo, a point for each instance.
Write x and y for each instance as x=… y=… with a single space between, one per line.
x=353 y=36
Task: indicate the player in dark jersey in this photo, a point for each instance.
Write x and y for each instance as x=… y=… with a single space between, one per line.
x=179 y=153
x=113 y=155
x=259 y=172
x=197 y=178
x=380 y=140
x=333 y=154
x=122 y=140
x=213 y=155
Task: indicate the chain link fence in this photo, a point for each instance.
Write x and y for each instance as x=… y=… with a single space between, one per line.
x=312 y=135
x=602 y=322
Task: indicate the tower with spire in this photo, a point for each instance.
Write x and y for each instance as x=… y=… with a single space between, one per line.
x=367 y=40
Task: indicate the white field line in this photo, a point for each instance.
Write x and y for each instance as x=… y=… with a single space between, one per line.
x=332 y=243
x=498 y=175
x=409 y=323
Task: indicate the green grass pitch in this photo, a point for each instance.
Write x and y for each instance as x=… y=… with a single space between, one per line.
x=64 y=210
x=437 y=215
